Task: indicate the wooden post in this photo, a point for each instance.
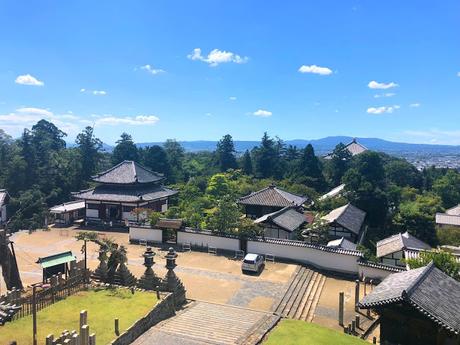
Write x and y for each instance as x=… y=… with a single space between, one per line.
x=75 y=339
x=353 y=327
x=49 y=339
x=158 y=294
x=117 y=327
x=374 y=340
x=357 y=321
x=365 y=287
x=83 y=318
x=34 y=314
x=356 y=295
x=92 y=339
x=341 y=305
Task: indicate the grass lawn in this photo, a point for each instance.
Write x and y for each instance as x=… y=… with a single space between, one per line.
x=303 y=333
x=103 y=307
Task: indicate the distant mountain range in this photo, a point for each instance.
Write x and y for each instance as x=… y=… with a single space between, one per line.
x=323 y=146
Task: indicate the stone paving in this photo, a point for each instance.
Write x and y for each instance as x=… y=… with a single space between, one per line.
x=205 y=323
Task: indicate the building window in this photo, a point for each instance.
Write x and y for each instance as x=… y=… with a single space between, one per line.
x=92 y=206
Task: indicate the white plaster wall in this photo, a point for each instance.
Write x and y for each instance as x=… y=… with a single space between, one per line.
x=373 y=273
x=92 y=213
x=321 y=259
x=148 y=234
x=204 y=240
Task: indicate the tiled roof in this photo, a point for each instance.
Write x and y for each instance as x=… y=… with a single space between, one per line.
x=447 y=219
x=427 y=289
x=399 y=242
x=288 y=218
x=165 y=223
x=272 y=196
x=342 y=243
x=3 y=196
x=125 y=194
x=333 y=192
x=380 y=266
x=128 y=172
x=68 y=206
x=308 y=245
x=348 y=216
x=353 y=147
x=454 y=211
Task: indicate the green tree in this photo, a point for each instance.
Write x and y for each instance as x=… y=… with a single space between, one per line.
x=339 y=163
x=125 y=150
x=310 y=169
x=225 y=153
x=246 y=164
x=155 y=158
x=225 y=218
x=449 y=236
x=403 y=174
x=88 y=147
x=448 y=188
x=443 y=260
x=265 y=157
x=418 y=216
x=219 y=187
x=175 y=153
x=365 y=185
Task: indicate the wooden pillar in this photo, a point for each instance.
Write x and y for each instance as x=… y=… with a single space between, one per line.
x=356 y=294
x=117 y=327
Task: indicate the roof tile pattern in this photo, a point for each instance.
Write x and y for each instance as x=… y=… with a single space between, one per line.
x=348 y=216
x=399 y=242
x=287 y=218
x=128 y=172
x=272 y=196
x=428 y=289
x=135 y=193
x=447 y=219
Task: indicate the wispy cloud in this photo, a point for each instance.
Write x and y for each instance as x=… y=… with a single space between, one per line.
x=435 y=136
x=315 y=70
x=216 y=57
x=414 y=105
x=458 y=74
x=232 y=98
x=387 y=94
x=139 y=120
x=150 y=69
x=382 y=110
x=27 y=79
x=262 y=113
x=94 y=92
x=381 y=86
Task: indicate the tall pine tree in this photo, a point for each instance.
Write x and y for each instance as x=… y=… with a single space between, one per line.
x=225 y=153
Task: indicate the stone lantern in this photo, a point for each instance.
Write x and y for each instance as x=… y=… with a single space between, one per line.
x=171 y=282
x=149 y=280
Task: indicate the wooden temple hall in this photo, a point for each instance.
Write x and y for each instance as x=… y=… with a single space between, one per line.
x=121 y=191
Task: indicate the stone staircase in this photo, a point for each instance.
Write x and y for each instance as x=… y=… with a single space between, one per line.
x=302 y=295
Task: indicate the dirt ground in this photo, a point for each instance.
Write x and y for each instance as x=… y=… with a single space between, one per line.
x=206 y=277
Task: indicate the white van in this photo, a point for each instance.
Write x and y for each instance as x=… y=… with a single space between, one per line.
x=253 y=263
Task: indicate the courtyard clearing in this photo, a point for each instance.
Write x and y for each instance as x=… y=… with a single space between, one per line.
x=210 y=278
x=103 y=306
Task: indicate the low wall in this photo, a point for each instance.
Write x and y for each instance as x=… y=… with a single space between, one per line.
x=162 y=311
x=137 y=233
x=341 y=261
x=375 y=271
x=207 y=239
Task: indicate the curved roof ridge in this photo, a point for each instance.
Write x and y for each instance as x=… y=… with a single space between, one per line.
x=413 y=285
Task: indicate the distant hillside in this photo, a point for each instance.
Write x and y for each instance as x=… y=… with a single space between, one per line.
x=325 y=145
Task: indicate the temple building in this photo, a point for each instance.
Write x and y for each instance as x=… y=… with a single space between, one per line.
x=451 y=218
x=354 y=148
x=394 y=249
x=416 y=307
x=346 y=221
x=283 y=223
x=122 y=193
x=269 y=200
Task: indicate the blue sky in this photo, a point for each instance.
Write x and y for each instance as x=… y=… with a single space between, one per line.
x=200 y=69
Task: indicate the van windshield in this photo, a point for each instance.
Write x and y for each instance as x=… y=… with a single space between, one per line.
x=246 y=261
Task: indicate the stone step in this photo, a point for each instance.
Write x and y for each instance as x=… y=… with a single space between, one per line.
x=291 y=285
x=290 y=304
x=306 y=294
x=314 y=298
x=298 y=301
x=256 y=335
x=309 y=296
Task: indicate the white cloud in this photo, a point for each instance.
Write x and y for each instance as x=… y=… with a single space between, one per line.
x=458 y=74
x=127 y=120
x=82 y=90
x=387 y=94
x=216 y=57
x=382 y=110
x=99 y=93
x=232 y=98
x=414 y=105
x=434 y=135
x=381 y=86
x=152 y=70
x=315 y=70
x=262 y=113
x=27 y=79
x=35 y=111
